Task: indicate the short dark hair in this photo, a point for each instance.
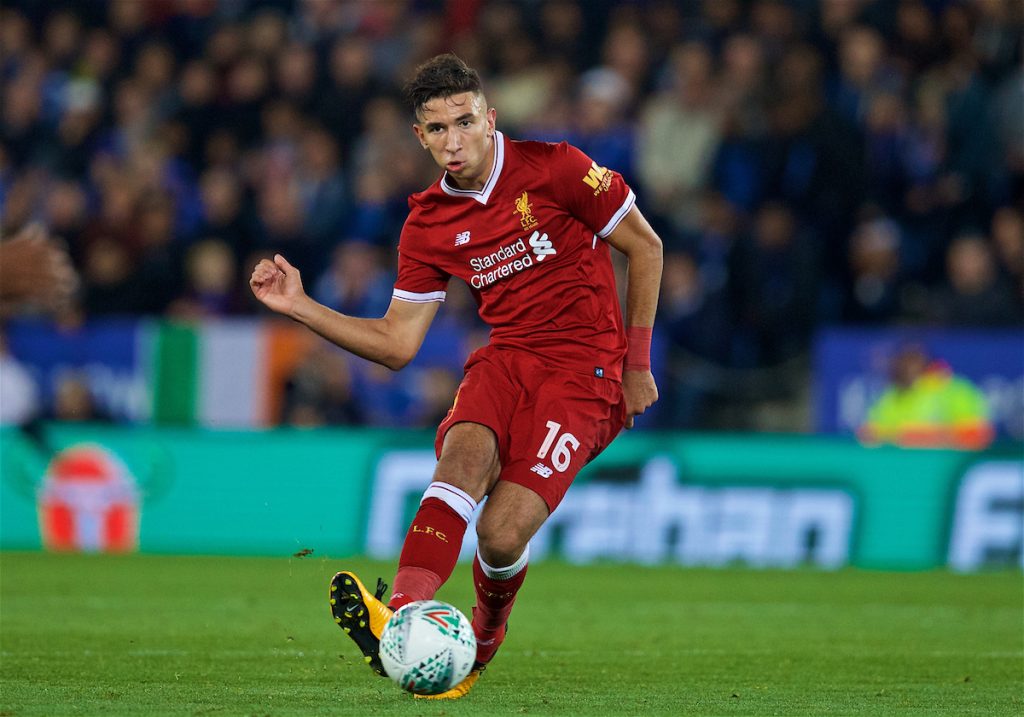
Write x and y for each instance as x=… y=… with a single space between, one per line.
x=441 y=76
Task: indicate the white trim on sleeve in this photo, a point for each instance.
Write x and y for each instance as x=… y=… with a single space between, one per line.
x=413 y=297
x=619 y=215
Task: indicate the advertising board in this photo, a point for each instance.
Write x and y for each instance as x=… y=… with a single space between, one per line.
x=763 y=501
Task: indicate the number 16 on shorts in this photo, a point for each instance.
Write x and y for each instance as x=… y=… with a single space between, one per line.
x=564 y=446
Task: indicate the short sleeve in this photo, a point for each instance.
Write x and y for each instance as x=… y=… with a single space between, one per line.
x=419 y=282
x=595 y=195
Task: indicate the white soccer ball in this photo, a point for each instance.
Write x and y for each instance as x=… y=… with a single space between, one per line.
x=428 y=647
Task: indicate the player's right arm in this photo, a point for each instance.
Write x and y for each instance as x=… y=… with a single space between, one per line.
x=392 y=340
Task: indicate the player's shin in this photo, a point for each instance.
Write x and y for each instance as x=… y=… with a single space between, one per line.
x=496 y=590
x=432 y=544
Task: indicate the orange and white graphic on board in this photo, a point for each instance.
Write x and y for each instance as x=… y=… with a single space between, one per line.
x=89 y=502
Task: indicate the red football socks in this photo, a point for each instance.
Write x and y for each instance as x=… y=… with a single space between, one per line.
x=429 y=553
x=496 y=590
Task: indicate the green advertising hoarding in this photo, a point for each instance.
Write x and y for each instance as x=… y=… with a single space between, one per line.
x=207 y=492
x=765 y=500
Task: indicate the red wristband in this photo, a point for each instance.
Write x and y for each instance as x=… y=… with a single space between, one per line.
x=638 y=348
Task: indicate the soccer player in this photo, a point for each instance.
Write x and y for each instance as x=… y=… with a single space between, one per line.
x=528 y=226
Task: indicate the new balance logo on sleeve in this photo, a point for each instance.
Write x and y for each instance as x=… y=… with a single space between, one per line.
x=542 y=470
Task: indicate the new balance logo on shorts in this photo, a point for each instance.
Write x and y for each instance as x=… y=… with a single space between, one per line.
x=542 y=470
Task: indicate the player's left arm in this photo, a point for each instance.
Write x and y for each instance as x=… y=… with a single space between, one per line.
x=635 y=238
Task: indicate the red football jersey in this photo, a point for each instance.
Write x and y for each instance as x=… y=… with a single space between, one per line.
x=529 y=246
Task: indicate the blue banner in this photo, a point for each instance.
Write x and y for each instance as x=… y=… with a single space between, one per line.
x=110 y=356
x=851 y=370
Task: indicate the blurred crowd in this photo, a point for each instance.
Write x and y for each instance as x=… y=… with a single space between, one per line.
x=806 y=163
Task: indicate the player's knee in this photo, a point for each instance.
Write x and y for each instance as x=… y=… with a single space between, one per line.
x=465 y=472
x=471 y=465
x=500 y=545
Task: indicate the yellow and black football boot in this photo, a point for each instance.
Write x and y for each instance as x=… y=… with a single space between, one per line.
x=361 y=614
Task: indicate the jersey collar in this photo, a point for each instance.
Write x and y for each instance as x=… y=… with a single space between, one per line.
x=484 y=194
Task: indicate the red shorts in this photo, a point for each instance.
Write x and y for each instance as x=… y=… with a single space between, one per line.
x=549 y=422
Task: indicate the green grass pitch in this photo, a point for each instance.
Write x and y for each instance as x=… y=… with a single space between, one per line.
x=162 y=635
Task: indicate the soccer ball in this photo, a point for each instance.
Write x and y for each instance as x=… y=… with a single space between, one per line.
x=428 y=647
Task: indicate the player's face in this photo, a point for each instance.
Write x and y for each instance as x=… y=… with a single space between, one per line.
x=459 y=132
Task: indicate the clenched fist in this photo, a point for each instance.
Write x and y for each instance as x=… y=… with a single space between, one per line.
x=277 y=284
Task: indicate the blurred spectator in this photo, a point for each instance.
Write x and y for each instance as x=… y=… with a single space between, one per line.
x=295 y=76
x=601 y=128
x=277 y=158
x=21 y=130
x=351 y=84
x=972 y=140
x=917 y=44
x=355 y=283
x=679 y=134
x=155 y=68
x=886 y=133
x=814 y=160
x=876 y=288
x=522 y=86
x=925 y=157
x=280 y=227
x=883 y=132
x=563 y=33
x=927 y=406
x=66 y=210
x=101 y=53
x=77 y=131
x=109 y=284
x=158 y=269
x=19 y=202
x=863 y=72
x=695 y=317
x=626 y=53
x=742 y=84
x=778 y=24
x=386 y=170
x=196 y=107
x=974 y=294
x=1008 y=237
x=1009 y=118
x=321 y=187
x=714 y=242
x=248 y=84
x=211 y=283
x=223 y=205
x=717 y=20
x=319 y=392
x=775 y=284
x=73 y=401
x=114 y=217
x=266 y=32
x=133 y=119
x=996 y=38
